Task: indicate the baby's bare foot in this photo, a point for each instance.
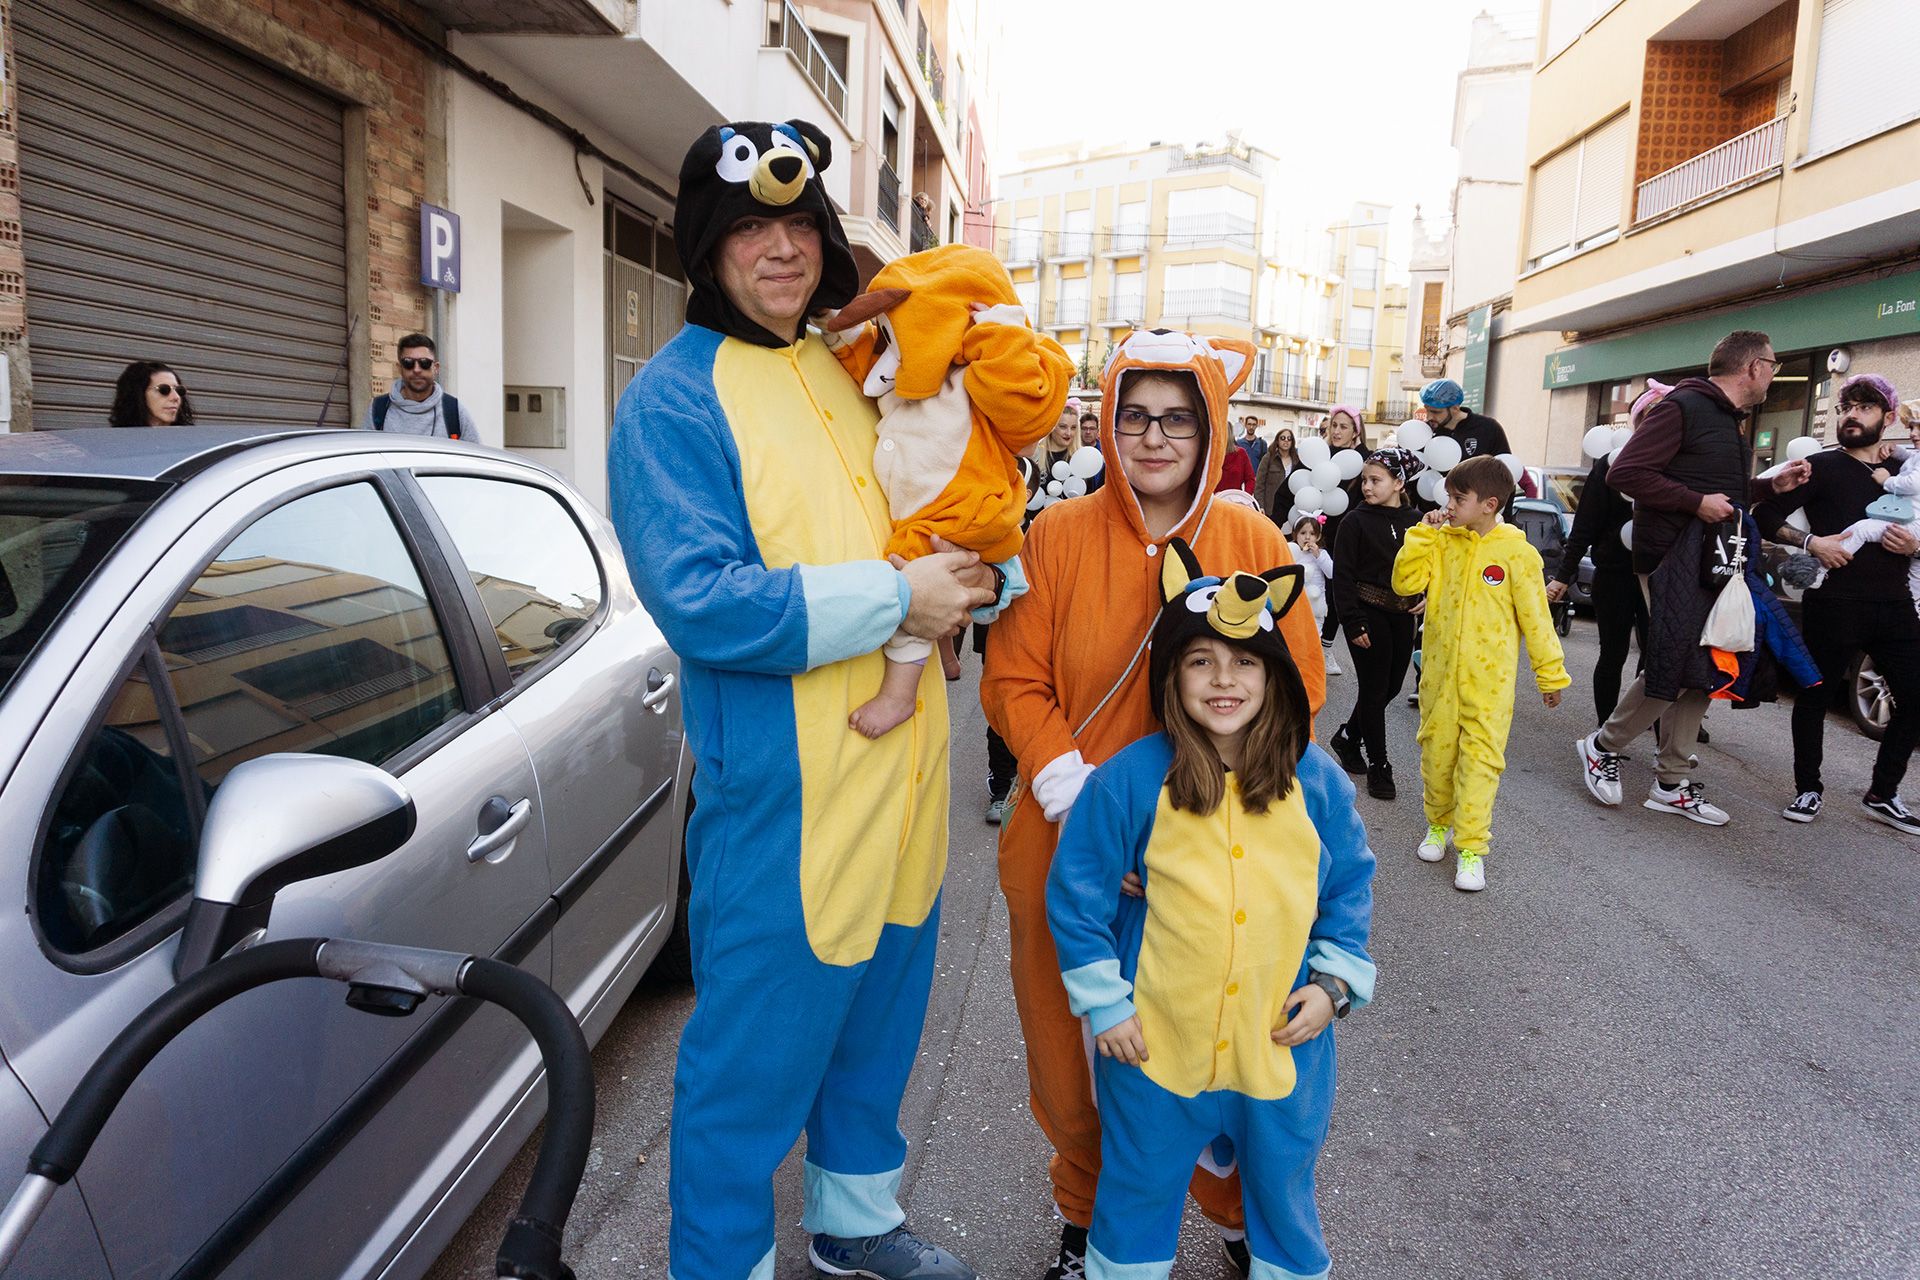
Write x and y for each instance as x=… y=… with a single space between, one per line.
x=881 y=716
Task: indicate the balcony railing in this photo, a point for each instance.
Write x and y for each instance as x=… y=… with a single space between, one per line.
x=936 y=77
x=797 y=38
x=922 y=237
x=889 y=196
x=1069 y=313
x=1225 y=303
x=1392 y=410
x=1733 y=163
x=1127 y=240
x=1127 y=308
x=1196 y=230
x=1433 y=350
x=1072 y=244
x=1293 y=387
x=1023 y=247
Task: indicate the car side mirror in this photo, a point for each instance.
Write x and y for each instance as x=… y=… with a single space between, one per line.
x=277 y=820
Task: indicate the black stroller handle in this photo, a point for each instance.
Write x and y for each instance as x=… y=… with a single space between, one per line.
x=531 y=1247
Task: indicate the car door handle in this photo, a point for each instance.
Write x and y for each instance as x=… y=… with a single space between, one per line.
x=659 y=689
x=492 y=842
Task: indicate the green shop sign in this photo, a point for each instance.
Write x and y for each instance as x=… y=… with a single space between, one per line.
x=1871 y=309
x=1474 y=376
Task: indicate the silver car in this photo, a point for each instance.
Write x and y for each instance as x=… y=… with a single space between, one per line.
x=176 y=602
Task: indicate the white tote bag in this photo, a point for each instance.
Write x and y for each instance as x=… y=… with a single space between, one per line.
x=1730 y=622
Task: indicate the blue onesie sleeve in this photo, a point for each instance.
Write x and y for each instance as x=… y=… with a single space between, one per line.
x=1083 y=897
x=1337 y=943
x=674 y=490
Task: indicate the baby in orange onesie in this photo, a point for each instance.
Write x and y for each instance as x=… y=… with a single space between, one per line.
x=965 y=386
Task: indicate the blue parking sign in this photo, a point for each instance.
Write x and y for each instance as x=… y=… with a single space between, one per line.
x=439 y=248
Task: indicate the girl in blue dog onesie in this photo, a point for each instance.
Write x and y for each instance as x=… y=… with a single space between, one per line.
x=1210 y=997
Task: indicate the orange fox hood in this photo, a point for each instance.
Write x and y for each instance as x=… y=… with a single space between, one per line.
x=931 y=320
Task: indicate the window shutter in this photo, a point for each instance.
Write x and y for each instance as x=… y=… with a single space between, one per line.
x=1551 y=225
x=1851 y=100
x=1603 y=177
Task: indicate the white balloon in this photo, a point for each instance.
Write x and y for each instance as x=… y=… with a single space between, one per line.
x=1299 y=480
x=1314 y=451
x=1038 y=500
x=1613 y=457
x=1349 y=461
x=1087 y=462
x=1294 y=516
x=1514 y=465
x=1620 y=437
x=1598 y=442
x=1428 y=486
x=1326 y=476
x=1062 y=469
x=1308 y=499
x=1442 y=453
x=1626 y=535
x=1055 y=486
x=1802 y=447
x=1073 y=487
x=1336 y=501
x=1413 y=434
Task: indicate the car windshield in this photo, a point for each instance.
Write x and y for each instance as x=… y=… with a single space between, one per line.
x=54 y=532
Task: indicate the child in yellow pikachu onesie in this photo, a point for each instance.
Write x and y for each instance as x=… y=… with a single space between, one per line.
x=965 y=386
x=1485 y=589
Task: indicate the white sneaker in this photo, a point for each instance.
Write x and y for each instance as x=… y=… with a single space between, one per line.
x=1434 y=847
x=1333 y=667
x=1471 y=875
x=1687 y=801
x=1600 y=770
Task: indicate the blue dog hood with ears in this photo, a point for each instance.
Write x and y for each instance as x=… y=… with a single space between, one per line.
x=753 y=168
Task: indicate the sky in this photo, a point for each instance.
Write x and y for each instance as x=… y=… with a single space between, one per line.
x=1355 y=96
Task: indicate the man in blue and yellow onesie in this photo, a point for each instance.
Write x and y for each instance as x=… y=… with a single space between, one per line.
x=741 y=483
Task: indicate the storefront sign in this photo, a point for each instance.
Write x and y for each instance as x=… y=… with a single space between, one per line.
x=1474 y=376
x=439 y=248
x=1855 y=313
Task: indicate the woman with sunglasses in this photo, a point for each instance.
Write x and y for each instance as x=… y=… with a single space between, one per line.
x=149 y=394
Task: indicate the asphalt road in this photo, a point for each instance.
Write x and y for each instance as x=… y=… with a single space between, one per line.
x=1649 y=1049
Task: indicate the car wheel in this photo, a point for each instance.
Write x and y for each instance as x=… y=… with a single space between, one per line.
x=1872 y=700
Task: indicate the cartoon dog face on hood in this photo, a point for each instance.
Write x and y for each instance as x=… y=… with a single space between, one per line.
x=923 y=305
x=756 y=169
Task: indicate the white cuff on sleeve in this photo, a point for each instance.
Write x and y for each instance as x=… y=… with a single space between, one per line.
x=1058 y=785
x=1003 y=313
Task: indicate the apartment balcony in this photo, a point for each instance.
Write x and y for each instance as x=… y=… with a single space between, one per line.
x=1206 y=230
x=1023 y=249
x=1433 y=350
x=530 y=17
x=1125 y=242
x=1292 y=387
x=1224 y=304
x=889 y=197
x=1754 y=156
x=1069 y=313
x=922 y=236
x=1071 y=246
x=1395 y=411
x=1127 y=308
x=798 y=40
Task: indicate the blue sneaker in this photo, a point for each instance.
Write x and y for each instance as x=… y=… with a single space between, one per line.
x=897 y=1255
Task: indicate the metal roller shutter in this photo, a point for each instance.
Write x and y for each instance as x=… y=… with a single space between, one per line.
x=178 y=203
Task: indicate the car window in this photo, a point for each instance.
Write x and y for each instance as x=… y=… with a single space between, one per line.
x=121 y=842
x=310 y=631
x=533 y=567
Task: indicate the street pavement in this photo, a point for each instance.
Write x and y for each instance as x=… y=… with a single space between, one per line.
x=1648 y=1049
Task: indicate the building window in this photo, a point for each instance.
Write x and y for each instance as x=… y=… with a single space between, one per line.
x=1192 y=290
x=1028 y=291
x=1566 y=19
x=1360 y=327
x=1354 y=389
x=1201 y=216
x=1365 y=267
x=1024 y=246
x=1849 y=105
x=1576 y=194
x=1076 y=235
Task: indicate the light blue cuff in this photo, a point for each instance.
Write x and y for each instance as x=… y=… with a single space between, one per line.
x=1098 y=986
x=762 y=1270
x=852 y=608
x=1337 y=962
x=1108 y=1016
x=852 y=1206
x=1015 y=587
x=1267 y=1271
x=1100 y=1267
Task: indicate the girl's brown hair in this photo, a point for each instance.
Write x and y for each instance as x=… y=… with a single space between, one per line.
x=1197 y=780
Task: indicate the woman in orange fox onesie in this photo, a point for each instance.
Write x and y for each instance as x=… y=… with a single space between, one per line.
x=1066 y=685
x=964 y=386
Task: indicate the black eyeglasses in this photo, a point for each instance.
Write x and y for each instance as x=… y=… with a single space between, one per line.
x=1181 y=424
x=421 y=362
x=1769 y=360
x=167 y=389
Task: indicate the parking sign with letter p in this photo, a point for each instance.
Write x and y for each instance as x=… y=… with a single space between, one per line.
x=439 y=248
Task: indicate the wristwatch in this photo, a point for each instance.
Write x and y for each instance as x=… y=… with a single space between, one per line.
x=999 y=581
x=1335 y=992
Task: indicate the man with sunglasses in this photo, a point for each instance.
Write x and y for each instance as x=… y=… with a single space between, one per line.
x=416 y=405
x=1689 y=459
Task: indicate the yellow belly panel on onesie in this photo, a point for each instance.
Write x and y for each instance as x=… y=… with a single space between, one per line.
x=1231 y=898
x=873 y=821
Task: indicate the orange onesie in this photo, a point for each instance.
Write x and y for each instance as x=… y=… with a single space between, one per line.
x=1066 y=672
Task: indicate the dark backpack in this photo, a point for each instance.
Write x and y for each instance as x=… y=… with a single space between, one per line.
x=449 y=414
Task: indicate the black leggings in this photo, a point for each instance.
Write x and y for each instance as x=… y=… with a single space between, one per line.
x=1620 y=612
x=1380 y=669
